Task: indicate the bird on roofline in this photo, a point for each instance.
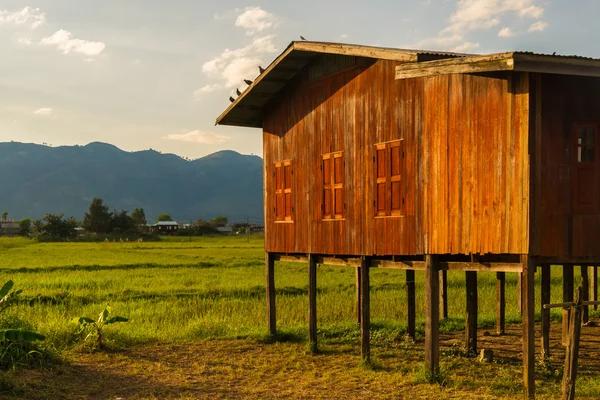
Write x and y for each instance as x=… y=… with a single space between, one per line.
x=248 y=82
x=261 y=69
x=302 y=38
x=237 y=91
x=231 y=99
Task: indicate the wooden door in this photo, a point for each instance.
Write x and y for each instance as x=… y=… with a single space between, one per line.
x=585 y=169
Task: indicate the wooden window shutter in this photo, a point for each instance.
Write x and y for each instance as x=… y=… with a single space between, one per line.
x=279 y=198
x=327 y=186
x=381 y=173
x=396 y=167
x=287 y=190
x=586 y=168
x=338 y=185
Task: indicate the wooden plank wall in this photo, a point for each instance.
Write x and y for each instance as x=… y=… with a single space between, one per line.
x=466 y=165
x=565 y=101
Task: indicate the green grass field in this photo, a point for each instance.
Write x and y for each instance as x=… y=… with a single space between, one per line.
x=180 y=291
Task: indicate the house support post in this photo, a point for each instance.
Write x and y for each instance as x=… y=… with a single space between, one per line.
x=471 y=314
x=410 y=303
x=500 y=302
x=567 y=298
x=357 y=273
x=312 y=303
x=365 y=304
x=432 y=315
x=585 y=286
x=520 y=292
x=594 y=286
x=527 y=291
x=271 y=316
x=545 y=312
x=444 y=294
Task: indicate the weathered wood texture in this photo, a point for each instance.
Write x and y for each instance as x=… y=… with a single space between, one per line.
x=270 y=274
x=471 y=312
x=410 y=304
x=567 y=230
x=568 y=279
x=432 y=316
x=464 y=175
x=312 y=302
x=572 y=353
x=528 y=291
x=500 y=302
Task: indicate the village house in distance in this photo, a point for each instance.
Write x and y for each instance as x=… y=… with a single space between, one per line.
x=424 y=160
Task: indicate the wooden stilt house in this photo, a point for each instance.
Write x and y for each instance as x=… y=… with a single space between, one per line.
x=418 y=160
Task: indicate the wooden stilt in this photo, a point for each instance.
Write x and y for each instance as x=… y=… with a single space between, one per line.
x=594 y=286
x=365 y=320
x=444 y=294
x=312 y=303
x=500 y=302
x=520 y=293
x=545 y=299
x=271 y=316
x=432 y=315
x=585 y=292
x=572 y=353
x=527 y=288
x=410 y=303
x=471 y=315
x=357 y=273
x=567 y=297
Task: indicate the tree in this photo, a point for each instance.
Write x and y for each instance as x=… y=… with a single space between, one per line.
x=97 y=219
x=164 y=217
x=202 y=227
x=219 y=221
x=55 y=226
x=4 y=216
x=138 y=217
x=121 y=222
x=24 y=227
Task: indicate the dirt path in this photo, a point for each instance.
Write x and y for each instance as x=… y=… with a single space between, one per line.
x=235 y=369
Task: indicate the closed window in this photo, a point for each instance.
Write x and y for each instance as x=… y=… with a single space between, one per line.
x=389 y=169
x=283 y=191
x=332 y=171
x=586 y=168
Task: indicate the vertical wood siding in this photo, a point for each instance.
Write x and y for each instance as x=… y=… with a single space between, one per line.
x=466 y=165
x=565 y=232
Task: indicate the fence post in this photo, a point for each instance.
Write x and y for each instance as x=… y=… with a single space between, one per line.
x=572 y=354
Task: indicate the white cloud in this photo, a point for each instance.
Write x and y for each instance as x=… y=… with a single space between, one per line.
x=28 y=16
x=25 y=41
x=472 y=15
x=233 y=66
x=465 y=47
x=255 y=20
x=207 y=89
x=198 y=137
x=344 y=36
x=506 y=32
x=43 y=111
x=65 y=42
x=539 y=26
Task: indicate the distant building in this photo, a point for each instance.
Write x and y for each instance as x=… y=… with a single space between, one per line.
x=9 y=227
x=225 y=230
x=165 y=227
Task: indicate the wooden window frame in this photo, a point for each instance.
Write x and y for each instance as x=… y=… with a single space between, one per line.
x=582 y=167
x=335 y=184
x=283 y=208
x=390 y=180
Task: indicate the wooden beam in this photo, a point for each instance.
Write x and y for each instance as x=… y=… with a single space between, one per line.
x=291 y=258
x=449 y=266
x=410 y=304
x=432 y=315
x=365 y=304
x=358 y=51
x=471 y=314
x=500 y=302
x=585 y=287
x=271 y=316
x=341 y=261
x=528 y=290
x=567 y=297
x=444 y=294
x=312 y=303
x=358 y=288
x=545 y=299
x=594 y=286
x=464 y=65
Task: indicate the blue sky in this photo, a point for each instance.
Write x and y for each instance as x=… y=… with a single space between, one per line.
x=154 y=74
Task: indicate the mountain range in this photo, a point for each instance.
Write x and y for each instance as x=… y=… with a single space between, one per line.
x=37 y=179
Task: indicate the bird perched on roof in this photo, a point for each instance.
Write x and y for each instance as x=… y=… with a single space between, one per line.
x=237 y=91
x=554 y=53
x=302 y=38
x=248 y=82
x=261 y=69
x=231 y=99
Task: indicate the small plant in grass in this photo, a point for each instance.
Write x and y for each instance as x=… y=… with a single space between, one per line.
x=424 y=375
x=95 y=328
x=7 y=299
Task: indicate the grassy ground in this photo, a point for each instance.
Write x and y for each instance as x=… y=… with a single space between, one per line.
x=181 y=292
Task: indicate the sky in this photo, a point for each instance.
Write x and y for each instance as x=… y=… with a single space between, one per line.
x=156 y=74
